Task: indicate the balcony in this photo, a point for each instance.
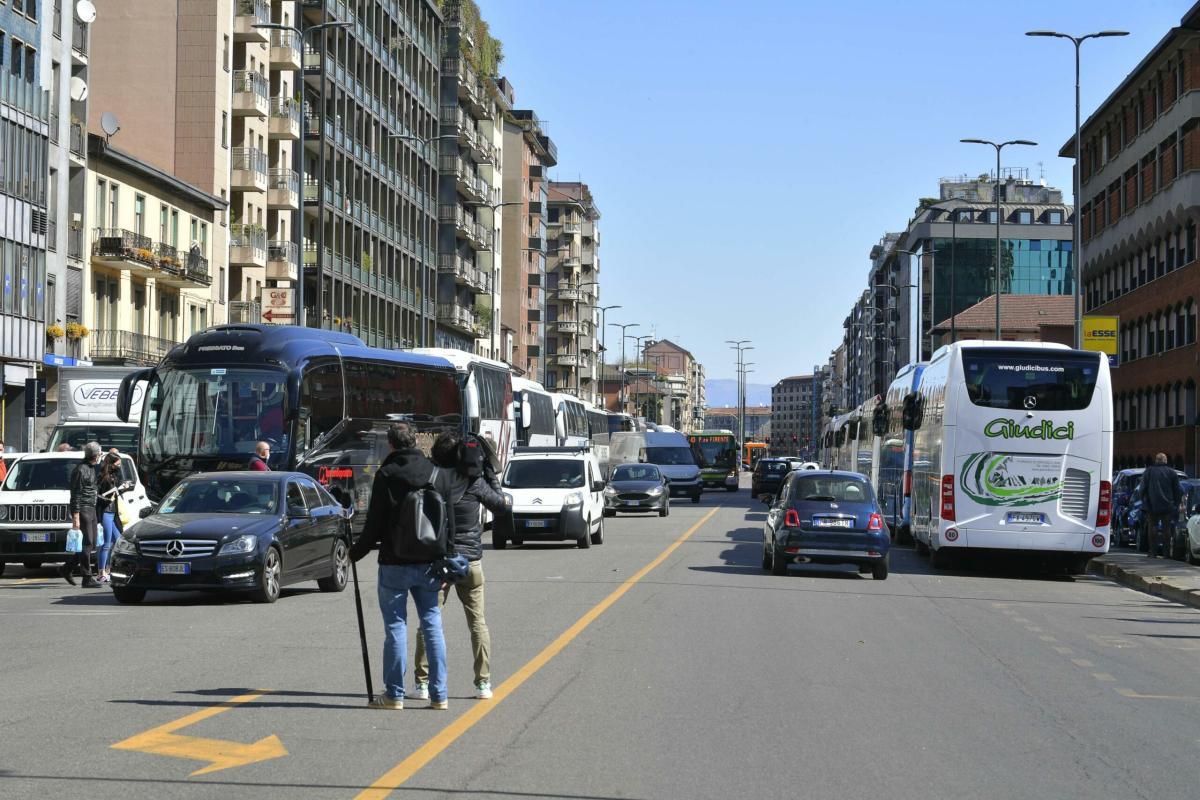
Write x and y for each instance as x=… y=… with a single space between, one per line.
x=75 y=243
x=282 y=264
x=124 y=250
x=129 y=347
x=588 y=259
x=465 y=273
x=283 y=189
x=247 y=245
x=285 y=50
x=247 y=14
x=583 y=327
x=285 y=119
x=79 y=41
x=461 y=319
x=78 y=140
x=250 y=94
x=245 y=312
x=249 y=170
x=570 y=227
x=469 y=184
x=536 y=207
x=573 y=360
x=537 y=172
x=454 y=120
x=569 y=292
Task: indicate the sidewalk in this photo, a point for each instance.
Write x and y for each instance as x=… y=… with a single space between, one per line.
x=1172 y=580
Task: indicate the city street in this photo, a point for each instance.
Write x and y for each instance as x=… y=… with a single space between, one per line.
x=704 y=678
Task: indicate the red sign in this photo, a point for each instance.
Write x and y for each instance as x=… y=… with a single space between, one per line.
x=325 y=474
x=271 y=316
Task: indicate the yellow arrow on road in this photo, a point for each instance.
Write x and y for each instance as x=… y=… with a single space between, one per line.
x=220 y=753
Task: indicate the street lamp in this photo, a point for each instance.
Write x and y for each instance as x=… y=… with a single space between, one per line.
x=740 y=345
x=298 y=163
x=999 y=146
x=603 y=339
x=624 y=336
x=637 y=348
x=1076 y=244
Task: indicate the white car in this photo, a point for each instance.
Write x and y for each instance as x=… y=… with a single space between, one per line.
x=34 y=506
x=557 y=495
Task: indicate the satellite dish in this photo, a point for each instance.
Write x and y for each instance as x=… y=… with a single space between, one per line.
x=79 y=89
x=85 y=11
x=108 y=122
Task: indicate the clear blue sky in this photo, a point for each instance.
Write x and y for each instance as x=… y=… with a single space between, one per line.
x=746 y=156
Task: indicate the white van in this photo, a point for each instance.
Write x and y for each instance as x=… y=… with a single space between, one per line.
x=1012 y=450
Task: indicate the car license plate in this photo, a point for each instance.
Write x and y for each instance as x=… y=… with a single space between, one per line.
x=35 y=537
x=630 y=502
x=536 y=523
x=175 y=569
x=835 y=523
x=1025 y=518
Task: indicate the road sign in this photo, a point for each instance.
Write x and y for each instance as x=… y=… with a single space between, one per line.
x=219 y=753
x=1100 y=334
x=279 y=306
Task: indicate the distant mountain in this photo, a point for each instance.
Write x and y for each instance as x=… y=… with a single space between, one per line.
x=723 y=392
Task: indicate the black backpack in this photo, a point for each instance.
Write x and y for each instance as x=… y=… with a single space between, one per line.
x=426 y=523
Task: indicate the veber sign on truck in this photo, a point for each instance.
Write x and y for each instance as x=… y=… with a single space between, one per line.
x=87 y=409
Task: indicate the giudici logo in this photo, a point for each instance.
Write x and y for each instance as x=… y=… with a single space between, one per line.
x=1011 y=429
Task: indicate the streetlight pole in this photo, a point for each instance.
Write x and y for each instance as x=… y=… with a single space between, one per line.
x=1076 y=244
x=999 y=146
x=916 y=254
x=637 y=395
x=740 y=345
x=603 y=339
x=298 y=163
x=624 y=336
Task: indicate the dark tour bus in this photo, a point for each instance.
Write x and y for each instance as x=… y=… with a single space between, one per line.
x=322 y=400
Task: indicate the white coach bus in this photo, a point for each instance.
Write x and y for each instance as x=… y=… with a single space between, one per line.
x=1012 y=450
x=534 y=410
x=487 y=398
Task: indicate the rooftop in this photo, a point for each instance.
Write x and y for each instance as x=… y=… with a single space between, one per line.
x=1023 y=312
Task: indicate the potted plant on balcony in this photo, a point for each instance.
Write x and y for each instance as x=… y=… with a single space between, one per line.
x=76 y=331
x=143 y=254
x=366 y=261
x=54 y=332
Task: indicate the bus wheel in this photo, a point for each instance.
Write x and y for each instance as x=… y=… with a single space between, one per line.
x=940 y=558
x=1078 y=565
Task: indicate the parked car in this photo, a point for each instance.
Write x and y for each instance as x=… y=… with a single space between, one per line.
x=768 y=476
x=1191 y=527
x=637 y=487
x=236 y=532
x=1136 y=518
x=34 y=514
x=1124 y=482
x=826 y=517
x=557 y=495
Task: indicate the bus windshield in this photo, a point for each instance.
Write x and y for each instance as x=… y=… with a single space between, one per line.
x=714 y=451
x=1041 y=381
x=216 y=412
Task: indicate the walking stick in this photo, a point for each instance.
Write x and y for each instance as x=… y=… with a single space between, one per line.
x=362 y=632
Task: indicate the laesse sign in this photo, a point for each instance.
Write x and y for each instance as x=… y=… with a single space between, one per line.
x=1011 y=429
x=1100 y=335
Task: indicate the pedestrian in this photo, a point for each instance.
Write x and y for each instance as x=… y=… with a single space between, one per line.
x=83 y=516
x=405 y=565
x=258 y=461
x=1161 y=497
x=476 y=486
x=3 y=467
x=109 y=485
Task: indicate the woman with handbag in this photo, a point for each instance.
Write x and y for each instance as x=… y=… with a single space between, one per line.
x=108 y=491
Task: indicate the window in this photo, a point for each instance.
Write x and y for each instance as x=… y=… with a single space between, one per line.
x=16 y=59
x=225 y=52
x=194 y=232
x=174 y=228
x=1054 y=218
x=114 y=205
x=1024 y=217
x=295 y=499
x=30 y=64
x=224 y=129
x=320 y=403
x=162 y=224
x=204 y=240
x=139 y=214
x=221 y=286
x=51 y=301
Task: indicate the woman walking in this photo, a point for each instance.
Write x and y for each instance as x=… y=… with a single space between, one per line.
x=108 y=486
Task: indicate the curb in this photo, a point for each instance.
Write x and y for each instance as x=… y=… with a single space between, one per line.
x=1154 y=585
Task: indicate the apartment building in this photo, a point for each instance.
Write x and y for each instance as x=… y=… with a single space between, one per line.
x=726 y=418
x=528 y=153
x=676 y=372
x=1139 y=176
x=573 y=289
x=794 y=416
x=150 y=275
x=470 y=163
x=25 y=129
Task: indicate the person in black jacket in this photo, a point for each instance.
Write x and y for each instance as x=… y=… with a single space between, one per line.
x=475 y=486
x=1161 y=496
x=83 y=516
x=404 y=566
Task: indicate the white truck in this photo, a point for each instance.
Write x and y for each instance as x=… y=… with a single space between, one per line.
x=87 y=410
x=557 y=495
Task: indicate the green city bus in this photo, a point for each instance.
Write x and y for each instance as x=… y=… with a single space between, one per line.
x=716 y=453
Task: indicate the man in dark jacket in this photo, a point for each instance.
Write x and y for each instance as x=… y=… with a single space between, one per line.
x=473 y=489
x=404 y=566
x=1161 y=496
x=83 y=516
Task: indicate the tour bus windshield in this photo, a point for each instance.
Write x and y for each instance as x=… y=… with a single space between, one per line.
x=1041 y=381
x=714 y=451
x=215 y=412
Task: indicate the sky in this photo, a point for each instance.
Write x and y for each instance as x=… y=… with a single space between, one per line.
x=746 y=157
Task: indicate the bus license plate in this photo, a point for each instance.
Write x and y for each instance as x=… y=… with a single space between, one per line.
x=536 y=523
x=1025 y=518
x=174 y=569
x=35 y=537
x=835 y=523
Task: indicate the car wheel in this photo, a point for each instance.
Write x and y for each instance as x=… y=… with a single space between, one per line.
x=880 y=571
x=268 y=577
x=341 y=569
x=696 y=498
x=585 y=541
x=863 y=569
x=128 y=595
x=32 y=564
x=518 y=542
x=778 y=565
x=608 y=512
x=2 y=566
x=1190 y=556
x=731 y=488
x=939 y=558
x=766 y=561
x=498 y=540
x=666 y=508
x=598 y=536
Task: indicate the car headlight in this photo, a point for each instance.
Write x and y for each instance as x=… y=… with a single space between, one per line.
x=573 y=499
x=242 y=544
x=608 y=492
x=511 y=500
x=655 y=492
x=126 y=546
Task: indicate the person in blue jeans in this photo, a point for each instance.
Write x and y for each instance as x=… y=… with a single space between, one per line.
x=405 y=566
x=108 y=484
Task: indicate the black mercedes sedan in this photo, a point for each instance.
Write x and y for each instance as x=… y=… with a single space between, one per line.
x=637 y=487
x=236 y=531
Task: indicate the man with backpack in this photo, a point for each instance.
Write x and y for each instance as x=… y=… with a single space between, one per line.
x=407 y=521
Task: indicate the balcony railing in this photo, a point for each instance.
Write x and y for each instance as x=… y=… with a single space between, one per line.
x=168 y=258
x=456 y=316
x=250 y=159
x=78 y=139
x=285 y=47
x=79 y=37
x=75 y=243
x=128 y=346
x=245 y=311
x=119 y=243
x=246 y=235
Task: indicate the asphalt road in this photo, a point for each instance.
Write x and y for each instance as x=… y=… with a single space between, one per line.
x=706 y=678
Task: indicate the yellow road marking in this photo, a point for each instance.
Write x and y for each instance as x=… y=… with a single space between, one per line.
x=1063 y=651
x=399 y=774
x=220 y=754
x=1103 y=676
x=28 y=581
x=1047 y=638
x=1082 y=662
x=1139 y=696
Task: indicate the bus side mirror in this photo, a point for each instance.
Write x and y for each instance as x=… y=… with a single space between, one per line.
x=128 y=387
x=471 y=406
x=912 y=411
x=526 y=415
x=879 y=422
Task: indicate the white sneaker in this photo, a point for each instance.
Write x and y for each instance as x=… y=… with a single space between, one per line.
x=386 y=703
x=421 y=692
x=483 y=690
